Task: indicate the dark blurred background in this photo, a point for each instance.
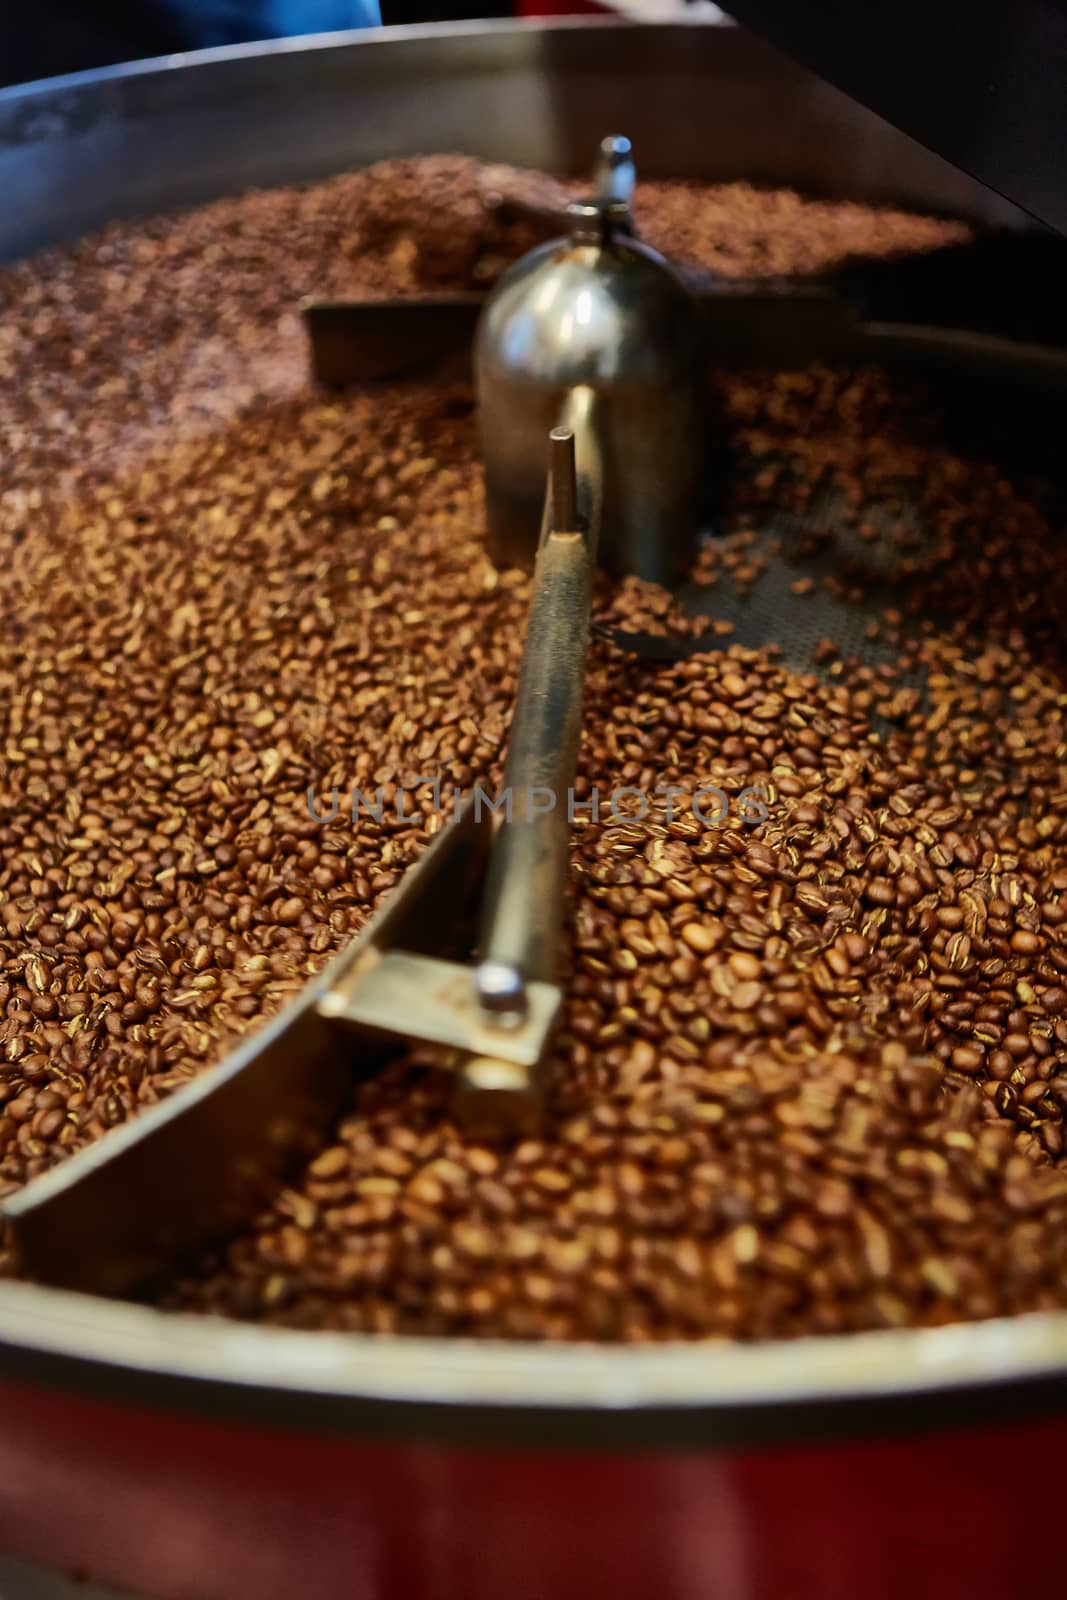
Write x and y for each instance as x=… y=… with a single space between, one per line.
x=54 y=36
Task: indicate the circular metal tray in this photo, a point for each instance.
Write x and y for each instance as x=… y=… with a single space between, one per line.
x=701 y=101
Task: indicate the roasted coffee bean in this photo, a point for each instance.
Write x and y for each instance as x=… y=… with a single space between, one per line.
x=798 y=1052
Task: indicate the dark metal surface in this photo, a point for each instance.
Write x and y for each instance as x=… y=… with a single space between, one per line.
x=982 y=82
x=372 y=341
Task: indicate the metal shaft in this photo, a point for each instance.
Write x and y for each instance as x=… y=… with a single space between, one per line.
x=527 y=873
x=615 y=175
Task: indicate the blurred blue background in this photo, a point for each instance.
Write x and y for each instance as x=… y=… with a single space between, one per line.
x=54 y=36
x=234 y=21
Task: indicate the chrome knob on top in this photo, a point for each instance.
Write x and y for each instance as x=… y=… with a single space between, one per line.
x=602 y=310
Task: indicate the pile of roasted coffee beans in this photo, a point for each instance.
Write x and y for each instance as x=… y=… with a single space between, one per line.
x=813 y=1072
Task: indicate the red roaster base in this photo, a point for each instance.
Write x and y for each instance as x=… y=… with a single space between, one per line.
x=559 y=8
x=191 y=1509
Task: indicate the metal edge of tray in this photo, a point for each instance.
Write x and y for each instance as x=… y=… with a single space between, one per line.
x=155 y=136
x=78 y=152
x=490 y=1391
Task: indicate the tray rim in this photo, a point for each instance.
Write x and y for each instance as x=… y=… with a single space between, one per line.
x=701 y=1392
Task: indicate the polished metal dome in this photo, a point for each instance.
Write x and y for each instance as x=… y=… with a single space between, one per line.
x=598 y=309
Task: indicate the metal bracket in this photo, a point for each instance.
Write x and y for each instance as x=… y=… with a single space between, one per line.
x=401 y=995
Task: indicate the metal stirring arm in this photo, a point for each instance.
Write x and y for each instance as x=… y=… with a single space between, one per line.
x=523 y=902
x=522 y=905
